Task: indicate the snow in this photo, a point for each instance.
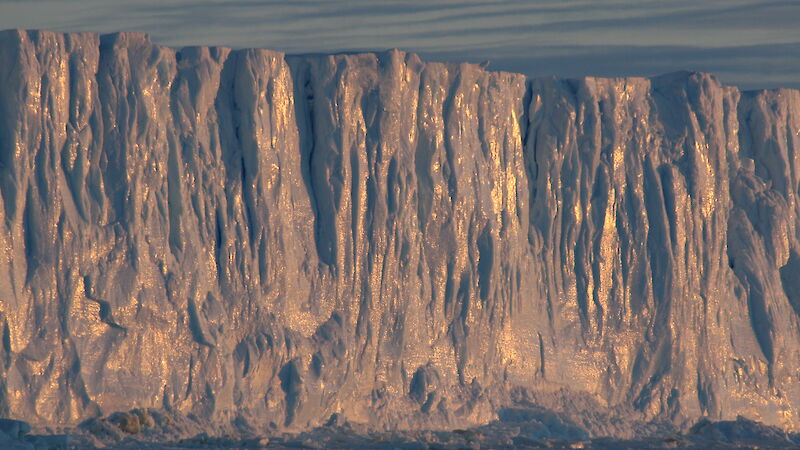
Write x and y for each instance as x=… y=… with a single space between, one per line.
x=287 y=241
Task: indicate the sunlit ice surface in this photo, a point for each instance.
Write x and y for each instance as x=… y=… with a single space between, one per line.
x=244 y=243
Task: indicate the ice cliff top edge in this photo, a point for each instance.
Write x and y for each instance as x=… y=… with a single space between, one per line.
x=128 y=38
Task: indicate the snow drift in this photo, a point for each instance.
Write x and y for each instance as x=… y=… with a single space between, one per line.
x=244 y=235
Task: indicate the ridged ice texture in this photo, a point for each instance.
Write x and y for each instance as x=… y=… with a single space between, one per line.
x=241 y=234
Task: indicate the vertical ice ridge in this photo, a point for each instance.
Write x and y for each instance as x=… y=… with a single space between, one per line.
x=682 y=150
x=765 y=203
x=237 y=232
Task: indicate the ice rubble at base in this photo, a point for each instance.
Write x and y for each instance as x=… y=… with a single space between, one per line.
x=521 y=427
x=247 y=236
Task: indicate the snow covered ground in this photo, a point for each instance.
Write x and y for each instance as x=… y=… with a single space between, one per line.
x=246 y=237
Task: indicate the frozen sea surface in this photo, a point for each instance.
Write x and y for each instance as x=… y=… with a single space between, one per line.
x=282 y=242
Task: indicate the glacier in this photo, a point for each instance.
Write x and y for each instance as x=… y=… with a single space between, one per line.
x=295 y=240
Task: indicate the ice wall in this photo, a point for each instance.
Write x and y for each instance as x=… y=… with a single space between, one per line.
x=244 y=235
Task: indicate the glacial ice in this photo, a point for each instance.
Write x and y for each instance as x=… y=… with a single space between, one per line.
x=242 y=235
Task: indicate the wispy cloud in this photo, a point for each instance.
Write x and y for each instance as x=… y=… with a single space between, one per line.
x=748 y=42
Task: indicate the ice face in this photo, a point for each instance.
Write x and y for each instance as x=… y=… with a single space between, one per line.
x=239 y=233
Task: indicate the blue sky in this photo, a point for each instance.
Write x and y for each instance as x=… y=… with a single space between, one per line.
x=749 y=43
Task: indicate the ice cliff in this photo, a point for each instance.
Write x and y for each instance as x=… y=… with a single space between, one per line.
x=245 y=235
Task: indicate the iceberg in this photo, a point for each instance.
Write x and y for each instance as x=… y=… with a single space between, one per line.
x=294 y=240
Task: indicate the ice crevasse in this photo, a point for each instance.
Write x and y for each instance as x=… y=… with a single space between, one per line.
x=242 y=234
